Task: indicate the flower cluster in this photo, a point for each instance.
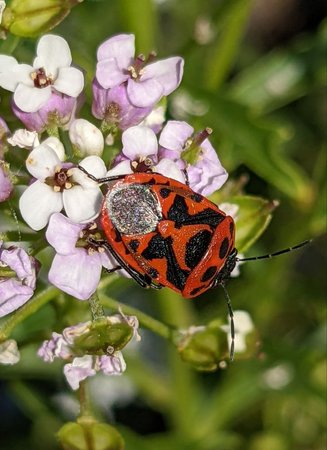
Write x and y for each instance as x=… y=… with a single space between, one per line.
x=128 y=90
x=90 y=347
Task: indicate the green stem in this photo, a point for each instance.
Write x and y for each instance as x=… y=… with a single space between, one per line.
x=9 y=45
x=33 y=305
x=96 y=307
x=84 y=399
x=146 y=321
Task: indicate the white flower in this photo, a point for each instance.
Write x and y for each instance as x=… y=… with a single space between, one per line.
x=243 y=326
x=24 y=139
x=9 y=353
x=2 y=8
x=86 y=137
x=51 y=71
x=59 y=185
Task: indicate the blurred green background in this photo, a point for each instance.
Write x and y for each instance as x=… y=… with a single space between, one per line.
x=255 y=72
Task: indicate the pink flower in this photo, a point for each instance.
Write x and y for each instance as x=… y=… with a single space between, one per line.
x=113 y=106
x=140 y=150
x=195 y=154
x=146 y=83
x=17 y=278
x=75 y=270
x=51 y=72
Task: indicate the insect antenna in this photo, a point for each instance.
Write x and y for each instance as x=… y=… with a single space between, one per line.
x=280 y=252
x=232 y=326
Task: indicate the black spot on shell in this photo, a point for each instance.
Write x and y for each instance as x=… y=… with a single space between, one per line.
x=209 y=273
x=164 y=192
x=134 y=244
x=153 y=273
x=196 y=198
x=196 y=248
x=196 y=290
x=231 y=228
x=223 y=248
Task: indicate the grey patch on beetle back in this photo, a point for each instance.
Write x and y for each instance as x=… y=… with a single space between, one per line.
x=133 y=208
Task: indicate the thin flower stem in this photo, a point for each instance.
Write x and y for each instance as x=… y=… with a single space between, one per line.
x=84 y=399
x=146 y=321
x=33 y=305
x=96 y=307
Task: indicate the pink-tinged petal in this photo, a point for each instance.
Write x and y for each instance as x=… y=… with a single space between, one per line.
x=62 y=234
x=56 y=347
x=139 y=142
x=37 y=204
x=23 y=264
x=52 y=53
x=145 y=93
x=70 y=81
x=175 y=134
x=30 y=98
x=120 y=47
x=80 y=369
x=122 y=168
x=20 y=73
x=168 y=72
x=206 y=177
x=170 y=169
x=82 y=205
x=6 y=185
x=109 y=74
x=42 y=162
x=112 y=365
x=13 y=294
x=77 y=274
x=24 y=139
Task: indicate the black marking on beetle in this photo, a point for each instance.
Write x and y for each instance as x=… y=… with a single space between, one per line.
x=164 y=192
x=196 y=197
x=151 y=181
x=159 y=247
x=134 y=244
x=231 y=228
x=223 y=248
x=209 y=273
x=196 y=290
x=178 y=212
x=117 y=235
x=197 y=247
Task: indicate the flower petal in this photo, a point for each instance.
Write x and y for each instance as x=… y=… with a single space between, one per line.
x=37 y=204
x=145 y=93
x=9 y=353
x=77 y=274
x=175 y=134
x=170 y=169
x=95 y=166
x=56 y=146
x=120 y=47
x=122 y=168
x=168 y=72
x=70 y=81
x=13 y=294
x=23 y=264
x=42 y=162
x=112 y=364
x=109 y=74
x=30 y=98
x=19 y=73
x=139 y=142
x=62 y=234
x=53 y=52
x=80 y=369
x=82 y=205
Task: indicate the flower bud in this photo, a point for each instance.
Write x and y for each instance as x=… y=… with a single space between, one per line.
x=203 y=347
x=104 y=336
x=89 y=434
x=30 y=18
x=6 y=185
x=9 y=353
x=86 y=138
